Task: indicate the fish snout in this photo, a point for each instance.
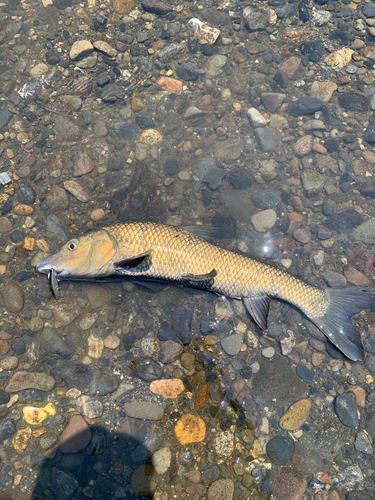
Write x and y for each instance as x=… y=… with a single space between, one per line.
x=46 y=265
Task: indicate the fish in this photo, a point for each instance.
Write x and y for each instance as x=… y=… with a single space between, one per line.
x=159 y=252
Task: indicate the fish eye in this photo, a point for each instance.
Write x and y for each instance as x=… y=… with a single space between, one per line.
x=72 y=244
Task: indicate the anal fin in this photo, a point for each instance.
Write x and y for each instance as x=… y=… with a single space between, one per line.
x=258 y=307
x=199 y=277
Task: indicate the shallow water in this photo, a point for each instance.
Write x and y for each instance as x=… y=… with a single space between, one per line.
x=148 y=123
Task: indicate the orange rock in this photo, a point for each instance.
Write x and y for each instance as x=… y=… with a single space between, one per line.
x=190 y=429
x=21 y=439
x=23 y=210
x=201 y=397
x=170 y=84
x=28 y=244
x=97 y=214
x=198 y=378
x=360 y=395
x=319 y=148
x=167 y=388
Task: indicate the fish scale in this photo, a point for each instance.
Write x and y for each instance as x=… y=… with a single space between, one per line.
x=176 y=252
x=152 y=251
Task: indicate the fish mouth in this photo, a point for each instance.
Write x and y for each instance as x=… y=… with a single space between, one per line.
x=45 y=267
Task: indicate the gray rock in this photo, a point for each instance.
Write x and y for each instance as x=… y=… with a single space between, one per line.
x=305 y=106
x=256 y=21
x=228 y=151
x=22 y=380
x=210 y=474
x=57 y=198
x=232 y=344
x=214 y=178
x=370 y=420
x=276 y=380
x=54 y=229
x=344 y=221
x=312 y=180
x=144 y=410
x=365 y=232
x=370 y=364
x=363 y=444
x=111 y=93
x=63 y=484
x=334 y=280
x=170 y=50
x=222 y=489
x=353 y=101
x=125 y=130
x=170 y=351
x=7 y=429
x=280 y=450
x=13 y=297
x=5 y=117
x=50 y=343
x=74 y=374
x=272 y=101
x=204 y=167
x=103 y=383
x=266 y=199
x=67 y=129
x=237 y=83
x=369 y=10
x=188 y=72
x=268 y=139
x=89 y=407
x=214 y=66
x=346 y=409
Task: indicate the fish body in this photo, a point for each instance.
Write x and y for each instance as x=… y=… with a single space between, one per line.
x=152 y=251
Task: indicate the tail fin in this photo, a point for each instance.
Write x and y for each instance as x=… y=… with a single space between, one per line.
x=336 y=323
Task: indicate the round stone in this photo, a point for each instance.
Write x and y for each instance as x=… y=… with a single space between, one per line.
x=190 y=429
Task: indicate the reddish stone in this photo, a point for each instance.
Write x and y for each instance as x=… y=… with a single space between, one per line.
x=354 y=277
x=76 y=435
x=363 y=261
x=290 y=66
x=343 y=80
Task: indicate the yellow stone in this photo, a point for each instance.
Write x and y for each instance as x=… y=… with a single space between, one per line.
x=167 y=388
x=23 y=210
x=123 y=7
x=42 y=245
x=35 y=416
x=21 y=439
x=339 y=58
x=296 y=415
x=28 y=244
x=95 y=346
x=190 y=429
x=150 y=136
x=39 y=431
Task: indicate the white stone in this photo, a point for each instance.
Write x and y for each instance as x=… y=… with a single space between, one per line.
x=256 y=118
x=161 y=460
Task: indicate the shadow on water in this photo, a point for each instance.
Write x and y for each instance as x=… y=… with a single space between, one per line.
x=110 y=466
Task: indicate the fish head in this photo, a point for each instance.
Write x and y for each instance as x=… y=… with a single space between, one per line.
x=89 y=256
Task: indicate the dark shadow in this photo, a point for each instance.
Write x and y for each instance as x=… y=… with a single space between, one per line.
x=111 y=466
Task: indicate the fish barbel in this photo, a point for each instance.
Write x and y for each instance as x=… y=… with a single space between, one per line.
x=152 y=251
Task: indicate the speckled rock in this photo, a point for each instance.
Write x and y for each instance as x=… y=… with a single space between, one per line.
x=13 y=297
x=222 y=489
x=288 y=485
x=22 y=380
x=346 y=409
x=296 y=415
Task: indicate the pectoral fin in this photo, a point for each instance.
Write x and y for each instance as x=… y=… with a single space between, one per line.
x=199 y=277
x=258 y=308
x=132 y=262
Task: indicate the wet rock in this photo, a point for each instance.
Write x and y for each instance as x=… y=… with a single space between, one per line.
x=156 y=7
x=105 y=48
x=369 y=10
x=170 y=351
x=123 y=7
x=67 y=129
x=370 y=363
x=241 y=178
x=268 y=139
x=369 y=134
x=303 y=12
x=54 y=229
x=280 y=450
x=74 y=374
x=276 y=379
x=144 y=122
x=57 y=199
x=222 y=489
x=272 y=101
x=147 y=369
x=355 y=277
x=190 y=429
x=76 y=435
x=5 y=225
x=214 y=178
x=344 y=221
x=80 y=49
x=112 y=92
x=305 y=106
x=303 y=235
x=296 y=415
x=363 y=444
x=256 y=118
x=161 y=460
x=188 y=360
x=214 y=66
x=5 y=117
x=89 y=407
x=22 y=380
x=50 y=343
x=167 y=388
x=26 y=194
x=144 y=410
x=125 y=130
x=304 y=145
x=365 y=232
x=237 y=83
x=322 y=90
x=256 y=21
x=76 y=190
x=288 y=485
x=82 y=165
x=346 y=409
x=169 y=51
x=232 y=344
x=264 y=221
x=329 y=208
x=266 y=199
x=352 y=101
x=13 y=297
x=363 y=261
x=103 y=383
x=7 y=429
x=188 y=72
x=305 y=373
